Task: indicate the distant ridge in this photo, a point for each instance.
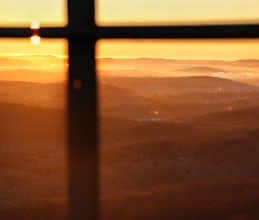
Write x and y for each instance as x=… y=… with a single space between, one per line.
x=201 y=69
x=50 y=95
x=248 y=60
x=167 y=85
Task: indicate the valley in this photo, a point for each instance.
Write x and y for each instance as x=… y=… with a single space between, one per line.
x=177 y=147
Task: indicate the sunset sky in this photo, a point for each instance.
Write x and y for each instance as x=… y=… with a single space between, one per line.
x=176 y=11
x=126 y=12
x=53 y=12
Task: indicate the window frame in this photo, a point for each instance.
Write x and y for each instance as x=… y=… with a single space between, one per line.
x=82 y=130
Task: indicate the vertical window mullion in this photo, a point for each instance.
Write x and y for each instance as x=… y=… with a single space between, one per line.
x=82 y=115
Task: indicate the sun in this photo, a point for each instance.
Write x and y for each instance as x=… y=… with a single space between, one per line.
x=35 y=38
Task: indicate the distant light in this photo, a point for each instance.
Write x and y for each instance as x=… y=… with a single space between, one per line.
x=35 y=38
x=230 y=108
x=156 y=112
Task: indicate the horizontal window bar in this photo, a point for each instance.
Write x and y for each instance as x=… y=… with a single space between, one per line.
x=199 y=31
x=203 y=31
x=15 y=32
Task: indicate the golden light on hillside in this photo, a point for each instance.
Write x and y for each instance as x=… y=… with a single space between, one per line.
x=35 y=38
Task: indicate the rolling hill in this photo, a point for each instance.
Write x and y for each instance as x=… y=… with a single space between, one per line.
x=50 y=95
x=170 y=85
x=121 y=102
x=24 y=123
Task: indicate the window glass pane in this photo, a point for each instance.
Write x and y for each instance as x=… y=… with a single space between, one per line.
x=138 y=12
x=179 y=129
x=33 y=177
x=22 y=13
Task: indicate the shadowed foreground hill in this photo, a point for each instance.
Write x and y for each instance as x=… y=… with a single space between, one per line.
x=33 y=172
x=200 y=178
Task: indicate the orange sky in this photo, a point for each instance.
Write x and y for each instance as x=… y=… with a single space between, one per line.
x=49 y=12
x=176 y=11
x=23 y=12
x=180 y=49
x=170 y=49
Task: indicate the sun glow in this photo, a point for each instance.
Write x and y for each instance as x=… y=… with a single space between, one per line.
x=35 y=25
x=35 y=38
